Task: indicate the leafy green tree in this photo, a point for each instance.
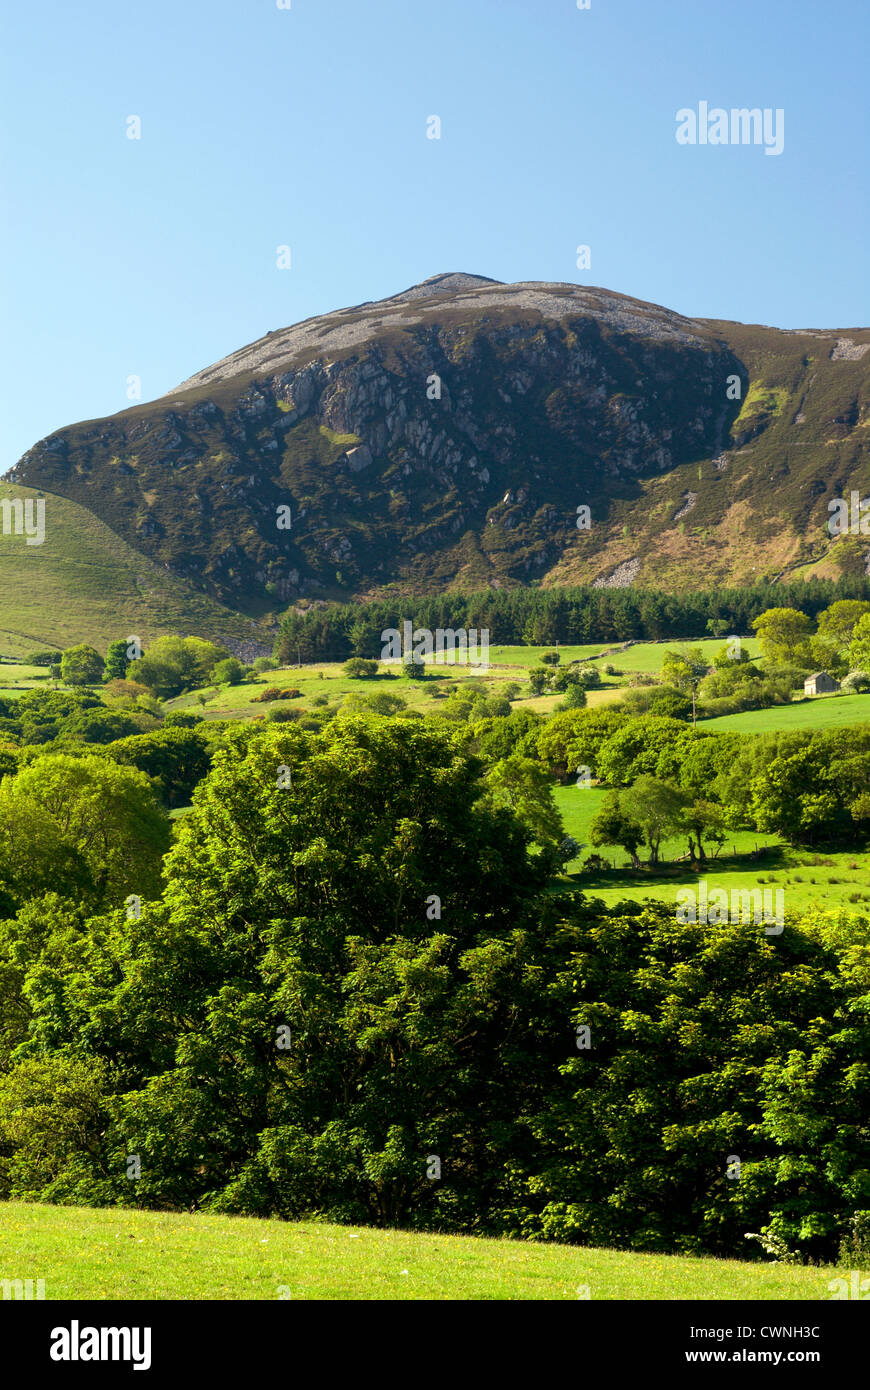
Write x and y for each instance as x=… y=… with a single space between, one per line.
x=614 y=825
x=575 y=698
x=572 y=739
x=636 y=747
x=376 y=908
x=784 y=634
x=859 y=646
x=36 y=857
x=835 y=625
x=522 y=785
x=705 y=1042
x=702 y=820
x=117 y=660
x=496 y=737
x=378 y=702
x=81 y=665
x=176 y=760
x=42 y=657
x=106 y=813
x=53 y=1118
x=657 y=807
x=172 y=664
x=539 y=679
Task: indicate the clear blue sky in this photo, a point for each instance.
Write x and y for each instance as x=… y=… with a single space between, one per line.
x=307 y=127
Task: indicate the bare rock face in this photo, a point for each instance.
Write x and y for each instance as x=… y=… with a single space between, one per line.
x=444 y=436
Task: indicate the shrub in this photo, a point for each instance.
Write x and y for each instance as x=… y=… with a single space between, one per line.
x=360 y=668
x=228 y=672
x=859 y=681
x=414 y=667
x=276 y=692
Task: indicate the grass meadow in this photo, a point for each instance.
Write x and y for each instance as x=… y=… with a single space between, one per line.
x=118 y=1253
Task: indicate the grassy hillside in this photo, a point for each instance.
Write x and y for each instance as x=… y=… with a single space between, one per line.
x=116 y=1253
x=85 y=584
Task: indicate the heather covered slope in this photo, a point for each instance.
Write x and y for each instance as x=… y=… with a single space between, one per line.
x=445 y=437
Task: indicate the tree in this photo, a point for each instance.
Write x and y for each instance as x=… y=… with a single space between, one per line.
x=703 y=820
x=107 y=814
x=836 y=624
x=341 y=982
x=613 y=825
x=522 y=785
x=550 y=658
x=117 y=661
x=573 y=739
x=784 y=634
x=42 y=658
x=53 y=1117
x=684 y=670
x=539 y=679
x=859 y=647
x=657 y=807
x=81 y=665
x=36 y=857
x=575 y=698
x=172 y=664
x=176 y=759
x=378 y=702
x=637 y=746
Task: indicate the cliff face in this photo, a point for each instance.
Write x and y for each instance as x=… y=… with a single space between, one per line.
x=447 y=436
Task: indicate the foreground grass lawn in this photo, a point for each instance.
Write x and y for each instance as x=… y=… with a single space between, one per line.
x=118 y=1253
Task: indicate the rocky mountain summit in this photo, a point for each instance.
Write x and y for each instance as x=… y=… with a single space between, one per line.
x=450 y=436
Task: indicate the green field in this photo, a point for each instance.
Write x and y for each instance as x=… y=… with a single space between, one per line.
x=531 y=656
x=116 y=1253
x=328 y=679
x=647 y=657
x=85 y=584
x=818 y=712
x=810 y=882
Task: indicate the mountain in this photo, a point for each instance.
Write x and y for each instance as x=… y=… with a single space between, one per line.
x=446 y=437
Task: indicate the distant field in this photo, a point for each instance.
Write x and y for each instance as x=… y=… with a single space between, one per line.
x=531 y=656
x=117 y=1253
x=648 y=656
x=328 y=679
x=810 y=881
x=819 y=712
x=85 y=584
